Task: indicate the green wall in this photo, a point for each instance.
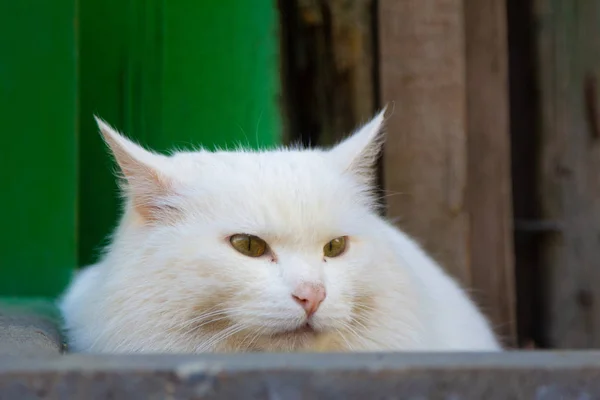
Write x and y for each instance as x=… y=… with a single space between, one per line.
x=169 y=74
x=38 y=158
x=181 y=73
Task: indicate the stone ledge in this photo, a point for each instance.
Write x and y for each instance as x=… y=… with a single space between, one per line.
x=29 y=328
x=526 y=375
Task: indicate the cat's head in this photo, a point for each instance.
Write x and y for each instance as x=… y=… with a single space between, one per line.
x=248 y=250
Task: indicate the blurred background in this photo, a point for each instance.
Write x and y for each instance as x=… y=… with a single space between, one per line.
x=492 y=160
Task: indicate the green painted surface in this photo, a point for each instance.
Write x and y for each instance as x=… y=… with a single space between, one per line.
x=38 y=152
x=221 y=73
x=171 y=74
x=103 y=58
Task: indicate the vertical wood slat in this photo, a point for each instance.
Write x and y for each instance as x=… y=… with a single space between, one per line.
x=422 y=70
x=568 y=55
x=489 y=169
x=446 y=164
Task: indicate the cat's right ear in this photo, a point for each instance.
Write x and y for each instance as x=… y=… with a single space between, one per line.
x=145 y=182
x=358 y=153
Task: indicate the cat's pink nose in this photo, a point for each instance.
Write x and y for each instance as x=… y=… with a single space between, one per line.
x=309 y=296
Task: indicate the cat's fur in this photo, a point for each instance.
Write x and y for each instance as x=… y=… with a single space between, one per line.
x=170 y=281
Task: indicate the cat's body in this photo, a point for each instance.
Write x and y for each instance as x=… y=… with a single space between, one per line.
x=172 y=282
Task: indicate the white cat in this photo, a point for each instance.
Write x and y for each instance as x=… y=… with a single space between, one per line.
x=263 y=251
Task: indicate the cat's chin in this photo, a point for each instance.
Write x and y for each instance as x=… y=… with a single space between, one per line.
x=308 y=339
x=305 y=329
x=296 y=339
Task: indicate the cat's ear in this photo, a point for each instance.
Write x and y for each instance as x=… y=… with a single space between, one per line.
x=358 y=154
x=145 y=182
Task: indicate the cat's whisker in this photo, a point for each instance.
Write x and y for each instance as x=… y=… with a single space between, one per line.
x=359 y=338
x=243 y=132
x=203 y=320
x=204 y=316
x=221 y=336
x=199 y=326
x=341 y=334
x=364 y=307
x=390 y=195
x=238 y=329
x=254 y=338
x=257 y=126
x=229 y=311
x=392 y=192
x=359 y=323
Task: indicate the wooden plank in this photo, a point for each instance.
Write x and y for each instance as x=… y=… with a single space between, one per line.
x=568 y=52
x=422 y=70
x=354 y=376
x=489 y=172
x=38 y=110
x=447 y=158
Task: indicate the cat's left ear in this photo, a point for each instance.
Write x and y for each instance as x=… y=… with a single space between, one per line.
x=145 y=182
x=358 y=153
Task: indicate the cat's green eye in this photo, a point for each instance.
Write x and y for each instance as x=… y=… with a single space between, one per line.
x=248 y=245
x=335 y=248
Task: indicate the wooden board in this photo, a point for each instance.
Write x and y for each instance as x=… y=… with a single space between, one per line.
x=489 y=169
x=422 y=71
x=568 y=49
x=447 y=165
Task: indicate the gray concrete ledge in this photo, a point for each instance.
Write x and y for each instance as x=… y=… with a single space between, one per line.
x=29 y=328
x=518 y=375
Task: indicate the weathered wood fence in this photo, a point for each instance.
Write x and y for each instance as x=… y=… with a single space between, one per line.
x=492 y=160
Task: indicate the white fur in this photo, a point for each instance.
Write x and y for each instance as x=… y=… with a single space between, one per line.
x=173 y=283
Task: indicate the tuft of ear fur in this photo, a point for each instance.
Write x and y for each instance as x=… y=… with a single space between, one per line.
x=145 y=184
x=358 y=153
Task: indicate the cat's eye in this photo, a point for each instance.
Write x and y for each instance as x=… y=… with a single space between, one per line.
x=335 y=248
x=248 y=245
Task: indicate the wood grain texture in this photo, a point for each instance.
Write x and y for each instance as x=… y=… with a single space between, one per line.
x=447 y=159
x=489 y=173
x=422 y=71
x=329 y=63
x=568 y=52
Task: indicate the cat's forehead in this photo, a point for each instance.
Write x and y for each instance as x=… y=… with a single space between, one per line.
x=284 y=190
x=275 y=165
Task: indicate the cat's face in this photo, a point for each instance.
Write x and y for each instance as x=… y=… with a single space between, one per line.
x=252 y=250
